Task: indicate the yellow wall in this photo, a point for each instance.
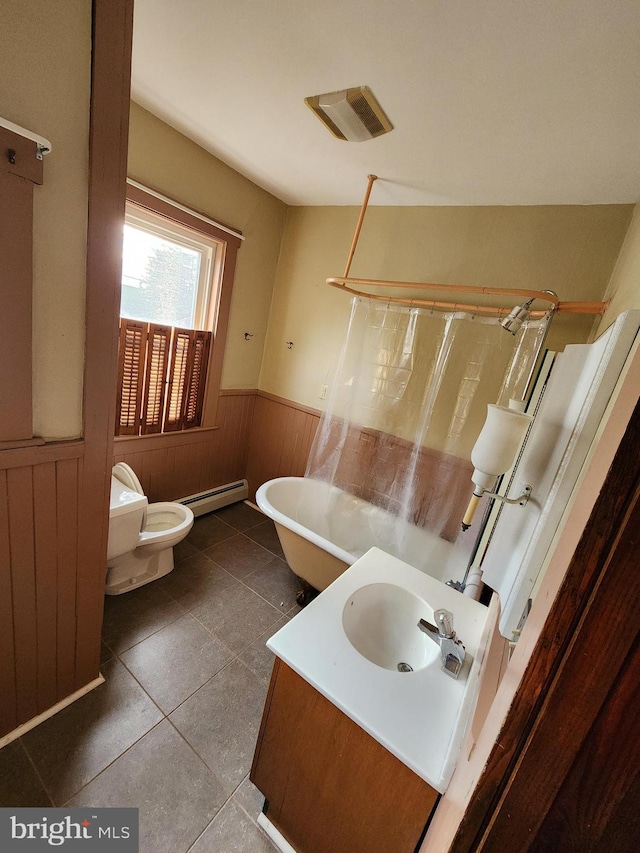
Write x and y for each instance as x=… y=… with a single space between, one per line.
x=569 y=249
x=45 y=55
x=165 y=160
x=624 y=287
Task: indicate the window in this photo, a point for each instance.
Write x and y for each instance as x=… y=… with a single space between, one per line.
x=175 y=269
x=166 y=271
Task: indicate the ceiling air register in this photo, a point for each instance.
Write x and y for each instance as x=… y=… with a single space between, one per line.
x=353 y=115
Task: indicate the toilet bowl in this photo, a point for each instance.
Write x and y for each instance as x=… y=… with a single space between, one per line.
x=141 y=535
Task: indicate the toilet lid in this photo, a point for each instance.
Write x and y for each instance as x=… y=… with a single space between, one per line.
x=127 y=477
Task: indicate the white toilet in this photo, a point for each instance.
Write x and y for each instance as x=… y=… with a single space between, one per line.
x=141 y=535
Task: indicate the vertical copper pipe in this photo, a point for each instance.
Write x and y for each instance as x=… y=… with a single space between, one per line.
x=363 y=209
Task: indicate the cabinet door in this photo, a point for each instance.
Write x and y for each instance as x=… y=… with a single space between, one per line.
x=329 y=785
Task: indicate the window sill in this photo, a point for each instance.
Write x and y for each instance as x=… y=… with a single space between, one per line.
x=167 y=439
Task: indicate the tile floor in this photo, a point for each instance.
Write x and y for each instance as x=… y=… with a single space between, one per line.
x=172 y=730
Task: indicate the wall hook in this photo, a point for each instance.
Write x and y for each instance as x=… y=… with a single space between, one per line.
x=247 y=336
x=289 y=344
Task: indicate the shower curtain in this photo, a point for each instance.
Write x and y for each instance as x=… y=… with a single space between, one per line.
x=408 y=401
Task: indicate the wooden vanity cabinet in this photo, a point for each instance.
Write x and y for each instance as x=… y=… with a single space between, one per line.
x=329 y=786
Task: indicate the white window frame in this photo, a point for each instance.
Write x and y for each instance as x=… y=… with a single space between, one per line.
x=209 y=249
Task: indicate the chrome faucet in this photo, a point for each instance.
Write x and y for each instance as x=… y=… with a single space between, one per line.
x=451 y=650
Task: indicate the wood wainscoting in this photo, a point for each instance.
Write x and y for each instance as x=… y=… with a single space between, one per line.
x=282 y=434
x=54 y=497
x=261 y=436
x=258 y=436
x=281 y=437
x=171 y=466
x=40 y=593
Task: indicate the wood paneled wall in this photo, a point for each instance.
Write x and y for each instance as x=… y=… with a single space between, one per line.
x=54 y=497
x=371 y=460
x=259 y=436
x=281 y=436
x=175 y=465
x=39 y=500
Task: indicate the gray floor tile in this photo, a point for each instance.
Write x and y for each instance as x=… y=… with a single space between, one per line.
x=258 y=657
x=265 y=534
x=221 y=722
x=231 y=831
x=194 y=580
x=105 y=653
x=176 y=793
x=73 y=746
x=239 y=556
x=237 y=616
x=276 y=583
x=240 y=515
x=208 y=530
x=173 y=663
x=183 y=550
x=294 y=611
x=249 y=797
x=134 y=616
x=20 y=786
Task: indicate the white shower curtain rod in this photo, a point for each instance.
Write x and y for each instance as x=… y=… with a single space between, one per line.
x=352 y=285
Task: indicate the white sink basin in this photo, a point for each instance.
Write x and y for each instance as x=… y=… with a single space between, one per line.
x=348 y=642
x=381 y=622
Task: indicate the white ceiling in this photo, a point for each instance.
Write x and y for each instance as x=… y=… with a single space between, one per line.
x=493 y=101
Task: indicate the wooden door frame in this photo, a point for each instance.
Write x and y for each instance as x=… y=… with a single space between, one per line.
x=112 y=34
x=577 y=661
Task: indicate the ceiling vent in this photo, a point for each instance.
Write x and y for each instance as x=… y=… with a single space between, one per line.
x=351 y=114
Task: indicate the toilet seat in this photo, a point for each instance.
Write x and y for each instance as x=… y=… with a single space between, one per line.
x=164 y=521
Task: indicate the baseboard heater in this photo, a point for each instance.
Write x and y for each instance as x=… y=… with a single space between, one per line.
x=216 y=498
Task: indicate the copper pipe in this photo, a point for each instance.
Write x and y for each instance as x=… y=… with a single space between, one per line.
x=344 y=283
x=583 y=307
x=431 y=303
x=459 y=288
x=347 y=284
x=356 y=235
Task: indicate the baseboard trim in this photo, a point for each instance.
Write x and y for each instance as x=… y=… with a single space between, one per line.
x=275 y=836
x=35 y=721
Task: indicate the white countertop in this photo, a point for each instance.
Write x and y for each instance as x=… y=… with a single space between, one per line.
x=420 y=716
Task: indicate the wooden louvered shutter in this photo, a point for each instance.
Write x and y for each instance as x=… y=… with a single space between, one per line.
x=131 y=358
x=155 y=383
x=187 y=377
x=194 y=396
x=178 y=373
x=161 y=377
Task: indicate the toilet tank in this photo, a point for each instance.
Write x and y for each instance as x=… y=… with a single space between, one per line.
x=126 y=513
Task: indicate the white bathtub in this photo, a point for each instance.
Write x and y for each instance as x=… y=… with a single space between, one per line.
x=323 y=530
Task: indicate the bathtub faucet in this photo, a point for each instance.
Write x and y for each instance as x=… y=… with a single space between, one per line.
x=451 y=650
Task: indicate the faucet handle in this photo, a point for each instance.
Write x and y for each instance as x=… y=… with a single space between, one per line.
x=444 y=621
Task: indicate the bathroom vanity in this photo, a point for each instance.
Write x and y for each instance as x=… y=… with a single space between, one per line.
x=328 y=784
x=354 y=751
